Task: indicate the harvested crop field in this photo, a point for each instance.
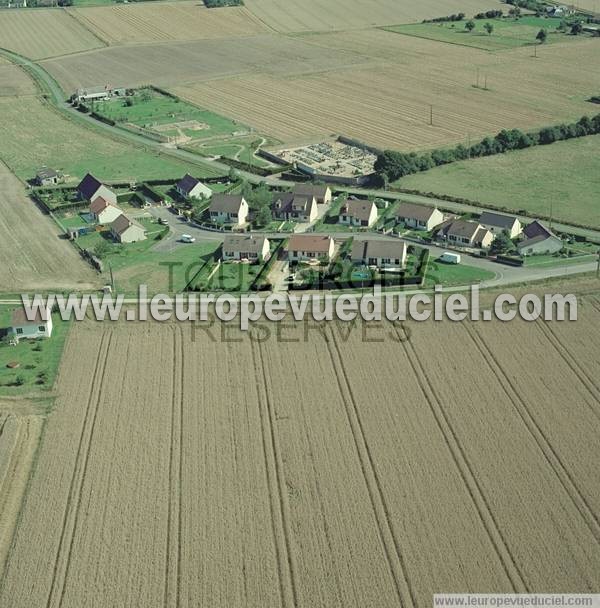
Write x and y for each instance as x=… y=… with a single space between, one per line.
x=394 y=470
x=388 y=105
x=166 y=21
x=176 y=63
x=33 y=256
x=325 y=15
x=44 y=33
x=14 y=81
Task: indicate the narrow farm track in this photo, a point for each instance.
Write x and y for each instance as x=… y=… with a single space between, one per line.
x=553 y=458
x=73 y=504
x=390 y=542
x=518 y=581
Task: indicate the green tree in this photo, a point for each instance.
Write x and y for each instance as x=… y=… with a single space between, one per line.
x=470 y=25
x=489 y=28
x=576 y=28
x=264 y=215
x=542 y=36
x=101 y=249
x=502 y=243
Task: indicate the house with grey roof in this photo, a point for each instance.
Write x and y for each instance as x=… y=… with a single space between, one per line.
x=462 y=233
x=307 y=247
x=228 y=208
x=48 y=177
x=190 y=187
x=539 y=240
x=90 y=188
x=322 y=193
x=241 y=247
x=379 y=253
x=356 y=212
x=497 y=223
x=127 y=230
x=419 y=217
x=297 y=207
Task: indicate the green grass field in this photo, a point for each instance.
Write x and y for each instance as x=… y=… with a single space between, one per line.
x=564 y=176
x=507 y=34
x=439 y=273
x=35 y=134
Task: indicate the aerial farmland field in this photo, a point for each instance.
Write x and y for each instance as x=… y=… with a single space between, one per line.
x=14 y=81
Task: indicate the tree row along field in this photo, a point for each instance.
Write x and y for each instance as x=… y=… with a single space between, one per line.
x=44 y=33
x=397 y=468
x=389 y=105
x=319 y=15
x=19 y=438
x=33 y=257
x=166 y=21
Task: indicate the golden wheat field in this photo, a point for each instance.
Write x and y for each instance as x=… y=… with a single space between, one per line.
x=319 y=15
x=178 y=469
x=44 y=33
x=387 y=103
x=165 y=21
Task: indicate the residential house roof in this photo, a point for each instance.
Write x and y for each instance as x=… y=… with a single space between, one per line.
x=316 y=190
x=358 y=209
x=309 y=242
x=19 y=317
x=462 y=228
x=98 y=205
x=535 y=229
x=88 y=186
x=244 y=242
x=365 y=248
x=122 y=223
x=481 y=234
x=420 y=213
x=226 y=203
x=288 y=202
x=505 y=222
x=187 y=183
x=46 y=173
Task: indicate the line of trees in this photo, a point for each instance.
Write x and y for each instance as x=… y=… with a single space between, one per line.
x=392 y=165
x=457 y=17
x=218 y=3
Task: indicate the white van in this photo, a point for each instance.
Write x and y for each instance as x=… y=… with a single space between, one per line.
x=450 y=258
x=187 y=238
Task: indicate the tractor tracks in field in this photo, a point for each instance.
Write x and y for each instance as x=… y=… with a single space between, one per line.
x=544 y=444
x=278 y=497
x=172 y=590
x=464 y=467
x=390 y=542
x=72 y=508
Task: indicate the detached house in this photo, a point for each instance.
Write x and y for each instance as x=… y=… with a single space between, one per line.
x=322 y=194
x=228 y=208
x=539 y=240
x=419 y=217
x=290 y=206
x=382 y=254
x=305 y=247
x=462 y=233
x=246 y=247
x=126 y=230
x=103 y=211
x=497 y=223
x=90 y=188
x=48 y=177
x=39 y=327
x=190 y=187
x=355 y=212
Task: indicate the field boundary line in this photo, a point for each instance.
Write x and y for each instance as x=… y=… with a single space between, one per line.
x=535 y=430
x=279 y=504
x=77 y=479
x=381 y=512
x=86 y=28
x=486 y=515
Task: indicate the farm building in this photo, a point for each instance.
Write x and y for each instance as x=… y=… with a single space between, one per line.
x=246 y=247
x=290 y=206
x=321 y=193
x=97 y=93
x=229 y=208
x=305 y=247
x=466 y=234
x=190 y=187
x=48 y=177
x=419 y=217
x=39 y=327
x=126 y=230
x=382 y=254
x=497 y=223
x=103 y=211
x=355 y=212
x=539 y=240
x=91 y=188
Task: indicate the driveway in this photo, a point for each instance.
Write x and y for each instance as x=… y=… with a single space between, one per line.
x=177 y=227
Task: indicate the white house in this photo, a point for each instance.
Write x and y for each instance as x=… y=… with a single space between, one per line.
x=382 y=254
x=539 y=240
x=126 y=230
x=290 y=206
x=355 y=212
x=497 y=223
x=39 y=327
x=463 y=233
x=228 y=208
x=90 y=188
x=103 y=211
x=305 y=247
x=190 y=187
x=419 y=217
x=246 y=247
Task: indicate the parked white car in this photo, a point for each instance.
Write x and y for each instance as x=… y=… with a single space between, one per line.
x=450 y=258
x=187 y=238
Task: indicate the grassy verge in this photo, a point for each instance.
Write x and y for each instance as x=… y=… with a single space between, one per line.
x=439 y=273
